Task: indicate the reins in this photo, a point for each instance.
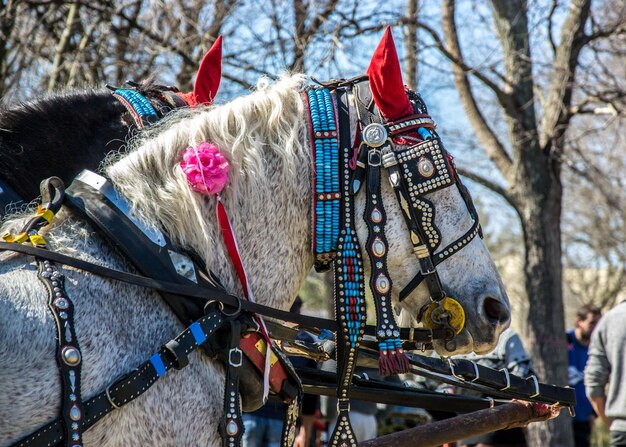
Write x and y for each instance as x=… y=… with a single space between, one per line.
x=207 y=295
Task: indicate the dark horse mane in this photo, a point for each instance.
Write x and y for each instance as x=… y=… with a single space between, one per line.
x=48 y=136
x=63 y=133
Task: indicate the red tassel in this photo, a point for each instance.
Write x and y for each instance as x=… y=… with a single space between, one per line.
x=402 y=360
x=384 y=367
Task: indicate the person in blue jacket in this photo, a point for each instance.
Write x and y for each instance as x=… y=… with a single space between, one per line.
x=578 y=340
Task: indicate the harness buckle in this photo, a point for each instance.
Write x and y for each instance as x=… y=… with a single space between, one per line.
x=373 y=157
x=536 y=384
x=110 y=399
x=343 y=405
x=507 y=377
x=235 y=357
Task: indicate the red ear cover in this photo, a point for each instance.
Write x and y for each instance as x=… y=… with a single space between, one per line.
x=208 y=77
x=386 y=83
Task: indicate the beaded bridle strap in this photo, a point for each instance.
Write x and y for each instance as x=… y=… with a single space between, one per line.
x=327 y=197
x=391 y=355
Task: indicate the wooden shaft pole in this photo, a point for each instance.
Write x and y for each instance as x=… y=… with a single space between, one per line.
x=514 y=414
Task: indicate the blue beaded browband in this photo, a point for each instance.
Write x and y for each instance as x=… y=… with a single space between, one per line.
x=139 y=107
x=327 y=200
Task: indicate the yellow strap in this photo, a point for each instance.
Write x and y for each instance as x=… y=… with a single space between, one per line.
x=37 y=240
x=20 y=238
x=45 y=213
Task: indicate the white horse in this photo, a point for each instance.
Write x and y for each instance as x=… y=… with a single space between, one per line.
x=265 y=138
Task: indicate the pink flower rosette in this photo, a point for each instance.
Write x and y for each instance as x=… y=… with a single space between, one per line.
x=206 y=168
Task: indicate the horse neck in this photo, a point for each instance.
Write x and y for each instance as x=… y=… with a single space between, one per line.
x=272 y=227
x=268 y=197
x=70 y=132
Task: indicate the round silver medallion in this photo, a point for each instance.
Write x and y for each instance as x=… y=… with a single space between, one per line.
x=425 y=167
x=231 y=428
x=71 y=356
x=382 y=284
x=374 y=135
x=75 y=413
x=378 y=248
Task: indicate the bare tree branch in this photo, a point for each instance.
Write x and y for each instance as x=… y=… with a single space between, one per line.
x=493 y=146
x=558 y=100
x=489 y=184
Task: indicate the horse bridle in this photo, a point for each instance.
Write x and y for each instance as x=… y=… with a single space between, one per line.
x=339 y=172
x=413 y=172
x=143 y=111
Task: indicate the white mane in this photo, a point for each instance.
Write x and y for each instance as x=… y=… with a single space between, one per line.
x=261 y=131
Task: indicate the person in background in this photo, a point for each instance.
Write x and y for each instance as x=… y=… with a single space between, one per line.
x=578 y=339
x=607 y=365
x=510 y=354
x=264 y=427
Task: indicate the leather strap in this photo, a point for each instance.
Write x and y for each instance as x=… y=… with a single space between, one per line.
x=133 y=384
x=231 y=427
x=68 y=354
x=205 y=294
x=349 y=295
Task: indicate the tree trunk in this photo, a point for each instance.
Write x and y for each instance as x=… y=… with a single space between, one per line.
x=539 y=201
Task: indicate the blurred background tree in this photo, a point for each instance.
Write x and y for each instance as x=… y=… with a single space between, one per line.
x=529 y=95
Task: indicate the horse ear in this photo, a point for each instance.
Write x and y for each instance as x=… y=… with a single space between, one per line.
x=209 y=74
x=386 y=80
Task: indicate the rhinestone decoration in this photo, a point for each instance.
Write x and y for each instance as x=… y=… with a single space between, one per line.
x=382 y=284
x=378 y=248
x=75 y=414
x=61 y=303
x=374 y=135
x=231 y=428
x=376 y=215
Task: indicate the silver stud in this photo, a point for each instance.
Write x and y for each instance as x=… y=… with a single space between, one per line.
x=71 y=355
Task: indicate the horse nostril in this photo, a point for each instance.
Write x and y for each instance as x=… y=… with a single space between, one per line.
x=496 y=311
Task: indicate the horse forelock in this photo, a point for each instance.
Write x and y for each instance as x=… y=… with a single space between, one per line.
x=263 y=136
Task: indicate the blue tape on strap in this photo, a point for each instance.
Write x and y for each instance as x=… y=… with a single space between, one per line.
x=157 y=362
x=198 y=334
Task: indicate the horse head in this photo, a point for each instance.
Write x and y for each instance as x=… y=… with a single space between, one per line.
x=444 y=211
x=267 y=138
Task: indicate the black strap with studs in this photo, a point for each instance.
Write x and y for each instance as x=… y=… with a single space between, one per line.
x=172 y=355
x=68 y=355
x=231 y=427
